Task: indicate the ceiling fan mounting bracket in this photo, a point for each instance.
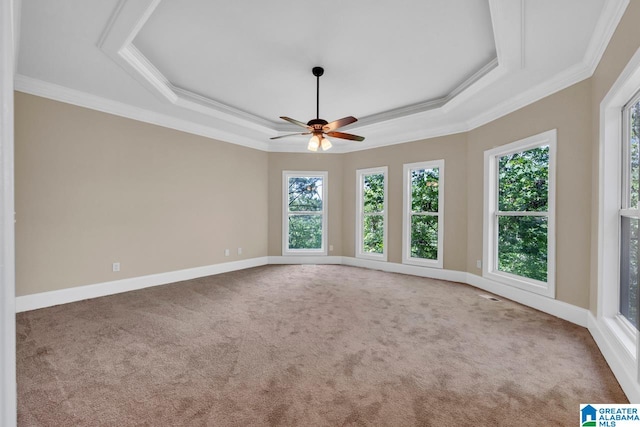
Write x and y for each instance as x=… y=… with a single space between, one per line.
x=317 y=71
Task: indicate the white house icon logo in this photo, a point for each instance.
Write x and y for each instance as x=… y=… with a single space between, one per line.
x=588 y=416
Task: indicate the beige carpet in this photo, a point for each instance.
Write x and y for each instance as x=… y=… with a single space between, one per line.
x=305 y=346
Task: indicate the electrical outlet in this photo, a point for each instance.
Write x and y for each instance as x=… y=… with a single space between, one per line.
x=115 y=267
x=227 y=252
x=330 y=248
x=479 y=263
x=239 y=251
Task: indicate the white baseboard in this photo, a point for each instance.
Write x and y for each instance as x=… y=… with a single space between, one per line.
x=63 y=296
x=551 y=306
x=560 y=309
x=413 y=270
x=305 y=259
x=624 y=368
x=563 y=310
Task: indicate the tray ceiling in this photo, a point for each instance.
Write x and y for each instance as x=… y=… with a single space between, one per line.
x=376 y=57
x=229 y=69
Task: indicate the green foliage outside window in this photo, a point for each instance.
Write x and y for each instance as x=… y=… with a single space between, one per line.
x=522 y=246
x=424 y=190
x=424 y=237
x=305 y=194
x=373 y=208
x=305 y=212
x=424 y=200
x=305 y=231
x=523 y=186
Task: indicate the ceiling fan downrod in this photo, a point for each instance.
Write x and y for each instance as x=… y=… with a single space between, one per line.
x=317 y=71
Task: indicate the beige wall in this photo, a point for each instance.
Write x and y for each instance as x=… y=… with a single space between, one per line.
x=569 y=112
x=450 y=148
x=332 y=163
x=93 y=189
x=624 y=43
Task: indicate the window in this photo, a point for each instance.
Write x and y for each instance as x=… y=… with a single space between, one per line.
x=519 y=214
x=618 y=220
x=371 y=213
x=305 y=208
x=630 y=213
x=423 y=227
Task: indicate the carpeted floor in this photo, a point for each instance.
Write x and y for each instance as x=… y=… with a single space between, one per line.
x=305 y=346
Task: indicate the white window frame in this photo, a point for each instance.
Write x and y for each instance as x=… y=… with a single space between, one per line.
x=617 y=330
x=285 y=212
x=625 y=325
x=9 y=30
x=407 y=213
x=360 y=214
x=491 y=214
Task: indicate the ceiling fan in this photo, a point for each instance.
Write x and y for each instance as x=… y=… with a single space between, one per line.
x=319 y=127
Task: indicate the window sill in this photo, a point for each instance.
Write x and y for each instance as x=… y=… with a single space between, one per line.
x=303 y=252
x=373 y=257
x=620 y=331
x=536 y=287
x=423 y=262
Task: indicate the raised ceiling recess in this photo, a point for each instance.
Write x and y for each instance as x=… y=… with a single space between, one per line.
x=377 y=57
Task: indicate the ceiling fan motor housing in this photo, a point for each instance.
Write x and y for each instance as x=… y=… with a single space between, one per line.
x=317 y=124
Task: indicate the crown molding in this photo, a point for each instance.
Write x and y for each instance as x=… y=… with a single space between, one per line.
x=117 y=42
x=147 y=73
x=560 y=81
x=473 y=84
x=202 y=104
x=607 y=23
x=82 y=99
x=17 y=11
x=605 y=28
x=424 y=120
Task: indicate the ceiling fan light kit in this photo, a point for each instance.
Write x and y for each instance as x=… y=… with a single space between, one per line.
x=318 y=127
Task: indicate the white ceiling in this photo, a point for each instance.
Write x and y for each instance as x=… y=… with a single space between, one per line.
x=228 y=69
x=259 y=57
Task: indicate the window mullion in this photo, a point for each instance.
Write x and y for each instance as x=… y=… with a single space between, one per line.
x=523 y=213
x=305 y=212
x=630 y=213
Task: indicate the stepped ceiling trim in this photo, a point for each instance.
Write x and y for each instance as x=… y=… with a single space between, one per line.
x=430 y=118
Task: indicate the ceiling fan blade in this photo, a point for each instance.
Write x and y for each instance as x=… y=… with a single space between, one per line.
x=343 y=135
x=339 y=123
x=290 y=134
x=295 y=122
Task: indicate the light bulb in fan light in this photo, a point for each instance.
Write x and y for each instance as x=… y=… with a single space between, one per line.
x=325 y=144
x=314 y=142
